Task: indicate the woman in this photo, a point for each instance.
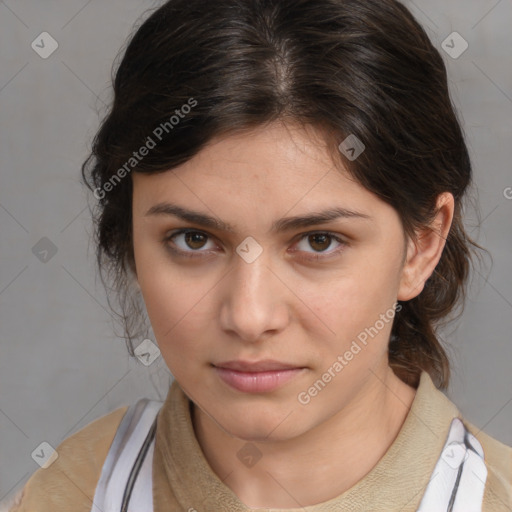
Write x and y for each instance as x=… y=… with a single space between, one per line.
x=282 y=181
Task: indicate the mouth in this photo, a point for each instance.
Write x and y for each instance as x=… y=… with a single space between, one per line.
x=256 y=377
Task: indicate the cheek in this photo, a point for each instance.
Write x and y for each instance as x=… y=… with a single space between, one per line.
x=349 y=308
x=163 y=289
x=178 y=309
x=354 y=298
x=173 y=305
x=177 y=318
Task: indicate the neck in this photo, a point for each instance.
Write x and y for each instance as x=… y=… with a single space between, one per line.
x=298 y=472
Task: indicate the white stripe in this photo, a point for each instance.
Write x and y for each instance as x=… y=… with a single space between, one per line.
x=457 y=452
x=121 y=457
x=142 y=494
x=472 y=483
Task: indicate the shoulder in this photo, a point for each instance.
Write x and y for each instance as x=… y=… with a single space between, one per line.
x=498 y=460
x=74 y=474
x=437 y=411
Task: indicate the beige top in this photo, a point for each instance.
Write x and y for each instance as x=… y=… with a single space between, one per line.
x=184 y=481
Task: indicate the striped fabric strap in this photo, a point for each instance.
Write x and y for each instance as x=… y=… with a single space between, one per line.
x=458 y=481
x=125 y=484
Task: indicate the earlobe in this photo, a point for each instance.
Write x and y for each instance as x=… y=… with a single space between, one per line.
x=424 y=252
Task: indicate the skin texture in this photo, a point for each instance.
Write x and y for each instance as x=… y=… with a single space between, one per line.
x=217 y=307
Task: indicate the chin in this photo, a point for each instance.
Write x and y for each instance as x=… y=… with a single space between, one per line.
x=258 y=433
x=260 y=425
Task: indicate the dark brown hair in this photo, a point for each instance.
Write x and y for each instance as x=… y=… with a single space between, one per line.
x=360 y=67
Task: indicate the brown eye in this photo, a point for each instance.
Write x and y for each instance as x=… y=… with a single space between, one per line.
x=195 y=240
x=317 y=246
x=319 y=241
x=188 y=242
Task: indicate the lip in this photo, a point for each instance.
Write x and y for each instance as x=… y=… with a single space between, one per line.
x=264 y=365
x=256 y=377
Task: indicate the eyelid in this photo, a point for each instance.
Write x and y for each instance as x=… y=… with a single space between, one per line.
x=318 y=256
x=314 y=255
x=170 y=235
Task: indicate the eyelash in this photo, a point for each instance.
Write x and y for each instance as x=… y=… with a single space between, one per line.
x=197 y=253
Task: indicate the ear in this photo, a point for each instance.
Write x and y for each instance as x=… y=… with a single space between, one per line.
x=424 y=252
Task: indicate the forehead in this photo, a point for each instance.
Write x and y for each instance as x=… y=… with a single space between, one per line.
x=279 y=153
x=271 y=169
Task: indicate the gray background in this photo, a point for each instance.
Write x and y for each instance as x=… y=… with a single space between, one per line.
x=61 y=364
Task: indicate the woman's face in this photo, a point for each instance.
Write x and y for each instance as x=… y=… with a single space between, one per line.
x=270 y=289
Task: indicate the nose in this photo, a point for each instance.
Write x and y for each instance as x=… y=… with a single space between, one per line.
x=254 y=300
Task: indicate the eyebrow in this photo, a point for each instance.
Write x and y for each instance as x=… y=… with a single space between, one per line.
x=280 y=225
